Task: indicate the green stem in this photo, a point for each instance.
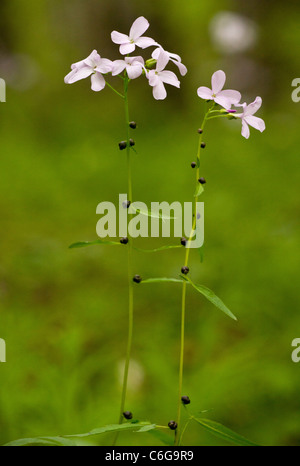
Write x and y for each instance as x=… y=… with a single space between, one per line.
x=224 y=115
x=130 y=274
x=114 y=90
x=183 y=299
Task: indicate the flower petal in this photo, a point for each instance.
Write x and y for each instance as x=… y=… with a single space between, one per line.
x=134 y=71
x=153 y=78
x=127 y=48
x=105 y=66
x=254 y=107
x=182 y=68
x=93 y=59
x=162 y=60
x=78 y=74
x=257 y=123
x=159 y=91
x=134 y=60
x=117 y=67
x=245 y=130
x=205 y=93
x=223 y=101
x=156 y=52
x=138 y=28
x=169 y=77
x=98 y=82
x=119 y=38
x=145 y=42
x=217 y=81
x=233 y=96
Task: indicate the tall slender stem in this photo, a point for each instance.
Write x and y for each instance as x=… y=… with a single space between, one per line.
x=130 y=275
x=183 y=299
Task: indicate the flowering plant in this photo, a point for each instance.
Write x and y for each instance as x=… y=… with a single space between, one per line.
x=220 y=105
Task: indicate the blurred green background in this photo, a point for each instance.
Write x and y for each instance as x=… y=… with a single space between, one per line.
x=64 y=312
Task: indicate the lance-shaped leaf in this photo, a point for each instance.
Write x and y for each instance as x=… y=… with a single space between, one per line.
x=42 y=441
x=163 y=248
x=149 y=213
x=199 y=190
x=134 y=426
x=157 y=280
x=210 y=295
x=224 y=433
x=84 y=244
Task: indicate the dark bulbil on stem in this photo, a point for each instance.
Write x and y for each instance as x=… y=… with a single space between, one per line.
x=200 y=131
x=122 y=145
x=137 y=279
x=203 y=145
x=126 y=204
x=132 y=125
x=202 y=180
x=131 y=142
x=193 y=164
x=185 y=400
x=185 y=270
x=127 y=415
x=124 y=240
x=172 y=425
x=183 y=241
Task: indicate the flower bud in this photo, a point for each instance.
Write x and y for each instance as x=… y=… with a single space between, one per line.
x=127 y=415
x=124 y=240
x=203 y=145
x=183 y=241
x=200 y=131
x=137 y=279
x=133 y=125
x=185 y=400
x=122 y=145
x=193 y=164
x=172 y=425
x=185 y=270
x=131 y=142
x=150 y=63
x=202 y=180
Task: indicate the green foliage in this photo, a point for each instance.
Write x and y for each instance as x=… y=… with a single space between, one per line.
x=63 y=313
x=210 y=295
x=42 y=442
x=224 y=433
x=84 y=244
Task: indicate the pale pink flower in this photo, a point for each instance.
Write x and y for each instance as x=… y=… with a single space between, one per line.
x=157 y=78
x=133 y=65
x=248 y=119
x=224 y=98
x=93 y=66
x=128 y=43
x=176 y=59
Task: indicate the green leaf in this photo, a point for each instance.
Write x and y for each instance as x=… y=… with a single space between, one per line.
x=224 y=433
x=84 y=244
x=147 y=428
x=201 y=254
x=164 y=438
x=163 y=248
x=210 y=295
x=157 y=280
x=42 y=441
x=136 y=426
x=199 y=190
x=149 y=213
x=62 y=441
